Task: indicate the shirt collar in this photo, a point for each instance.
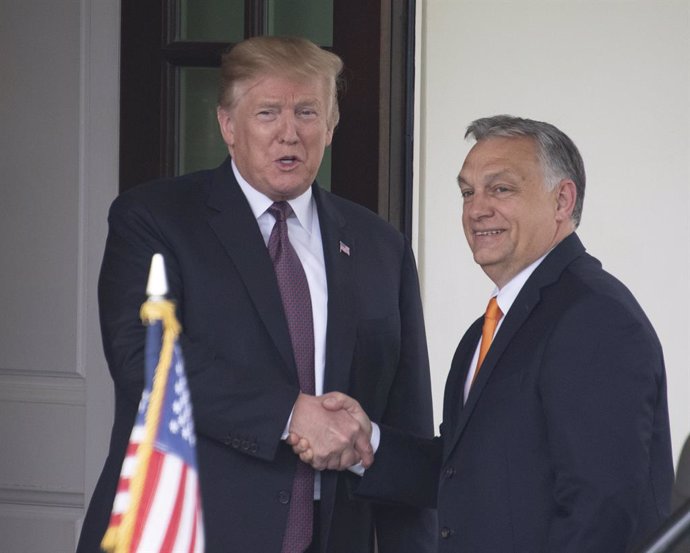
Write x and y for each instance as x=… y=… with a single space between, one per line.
x=259 y=203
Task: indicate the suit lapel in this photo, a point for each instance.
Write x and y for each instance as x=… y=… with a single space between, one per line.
x=515 y=318
x=341 y=330
x=548 y=272
x=234 y=224
x=455 y=383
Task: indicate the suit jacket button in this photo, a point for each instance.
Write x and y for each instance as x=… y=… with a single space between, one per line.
x=449 y=472
x=236 y=443
x=253 y=448
x=446 y=532
x=228 y=440
x=284 y=497
x=245 y=445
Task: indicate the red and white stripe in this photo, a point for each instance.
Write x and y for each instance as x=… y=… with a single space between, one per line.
x=169 y=520
x=122 y=497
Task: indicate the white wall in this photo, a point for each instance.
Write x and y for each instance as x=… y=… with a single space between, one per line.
x=614 y=76
x=59 y=111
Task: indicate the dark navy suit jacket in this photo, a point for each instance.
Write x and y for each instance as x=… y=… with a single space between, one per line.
x=563 y=444
x=240 y=366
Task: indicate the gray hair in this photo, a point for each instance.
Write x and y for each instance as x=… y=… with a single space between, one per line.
x=557 y=153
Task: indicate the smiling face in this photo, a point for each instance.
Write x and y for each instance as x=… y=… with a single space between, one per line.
x=277 y=131
x=509 y=216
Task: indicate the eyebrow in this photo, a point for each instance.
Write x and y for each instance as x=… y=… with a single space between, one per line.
x=308 y=102
x=275 y=103
x=268 y=104
x=491 y=177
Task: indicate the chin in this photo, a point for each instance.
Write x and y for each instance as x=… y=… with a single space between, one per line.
x=482 y=256
x=289 y=191
x=485 y=259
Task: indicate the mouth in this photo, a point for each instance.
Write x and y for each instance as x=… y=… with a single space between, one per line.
x=480 y=233
x=287 y=161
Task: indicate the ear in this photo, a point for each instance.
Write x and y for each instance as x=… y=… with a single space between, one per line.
x=566 y=194
x=225 y=122
x=329 y=136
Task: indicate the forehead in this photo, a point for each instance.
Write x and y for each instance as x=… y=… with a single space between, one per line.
x=495 y=154
x=276 y=86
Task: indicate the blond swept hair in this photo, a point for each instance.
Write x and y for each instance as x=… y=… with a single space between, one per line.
x=293 y=57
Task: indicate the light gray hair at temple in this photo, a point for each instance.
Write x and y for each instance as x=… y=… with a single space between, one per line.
x=558 y=154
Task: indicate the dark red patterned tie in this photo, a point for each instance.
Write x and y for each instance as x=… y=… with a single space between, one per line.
x=294 y=291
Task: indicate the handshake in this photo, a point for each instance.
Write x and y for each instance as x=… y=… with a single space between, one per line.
x=331 y=431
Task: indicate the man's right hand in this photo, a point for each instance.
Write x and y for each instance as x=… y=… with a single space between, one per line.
x=341 y=436
x=331 y=432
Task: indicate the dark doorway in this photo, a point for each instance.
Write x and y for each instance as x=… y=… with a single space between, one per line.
x=168 y=73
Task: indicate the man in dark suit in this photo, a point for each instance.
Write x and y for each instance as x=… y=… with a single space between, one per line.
x=555 y=434
x=277 y=113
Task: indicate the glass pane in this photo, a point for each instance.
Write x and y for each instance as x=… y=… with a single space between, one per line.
x=200 y=143
x=211 y=20
x=312 y=19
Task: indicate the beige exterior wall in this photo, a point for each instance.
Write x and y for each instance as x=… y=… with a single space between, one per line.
x=614 y=75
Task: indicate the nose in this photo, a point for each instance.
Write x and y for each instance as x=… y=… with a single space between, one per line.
x=477 y=206
x=288 y=131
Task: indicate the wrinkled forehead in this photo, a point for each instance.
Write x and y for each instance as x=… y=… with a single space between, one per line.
x=270 y=82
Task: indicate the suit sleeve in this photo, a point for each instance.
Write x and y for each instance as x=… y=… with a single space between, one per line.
x=221 y=400
x=405 y=471
x=601 y=380
x=405 y=529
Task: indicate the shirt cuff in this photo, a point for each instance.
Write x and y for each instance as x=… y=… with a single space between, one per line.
x=375 y=441
x=286 y=432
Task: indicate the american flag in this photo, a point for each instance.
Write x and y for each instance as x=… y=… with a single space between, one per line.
x=157 y=507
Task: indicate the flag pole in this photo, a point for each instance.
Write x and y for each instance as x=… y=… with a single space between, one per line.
x=156 y=308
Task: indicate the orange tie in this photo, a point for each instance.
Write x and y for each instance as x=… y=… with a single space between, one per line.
x=491 y=317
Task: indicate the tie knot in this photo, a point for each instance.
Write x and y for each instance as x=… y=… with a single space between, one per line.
x=493 y=311
x=280 y=210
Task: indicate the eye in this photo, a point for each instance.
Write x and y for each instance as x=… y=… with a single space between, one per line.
x=266 y=114
x=307 y=112
x=501 y=189
x=466 y=193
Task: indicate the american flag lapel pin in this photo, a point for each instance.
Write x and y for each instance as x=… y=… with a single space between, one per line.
x=344 y=248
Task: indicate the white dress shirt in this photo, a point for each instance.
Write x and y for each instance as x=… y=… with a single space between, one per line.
x=305 y=236
x=505 y=298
